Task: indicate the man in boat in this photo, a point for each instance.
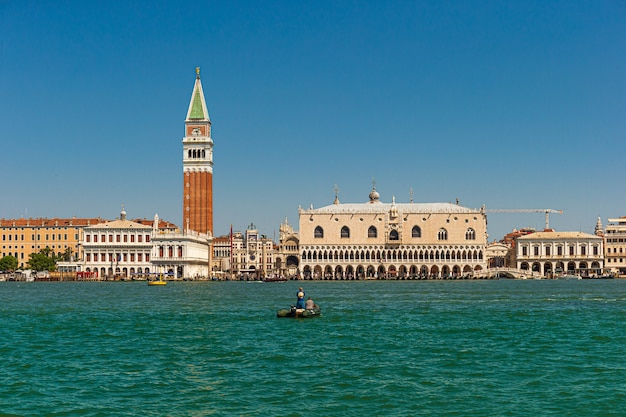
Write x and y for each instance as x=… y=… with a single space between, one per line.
x=300 y=295
x=310 y=304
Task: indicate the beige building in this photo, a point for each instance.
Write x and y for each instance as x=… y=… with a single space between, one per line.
x=376 y=240
x=615 y=246
x=553 y=253
x=254 y=255
x=287 y=251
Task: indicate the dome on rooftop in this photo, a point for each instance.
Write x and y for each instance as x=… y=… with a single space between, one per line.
x=374 y=196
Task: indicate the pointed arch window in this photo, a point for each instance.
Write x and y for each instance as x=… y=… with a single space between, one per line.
x=345 y=232
x=319 y=232
x=443 y=234
x=372 y=232
x=416 y=232
x=470 y=234
x=393 y=235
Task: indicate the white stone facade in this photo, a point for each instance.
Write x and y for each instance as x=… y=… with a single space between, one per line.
x=123 y=249
x=118 y=249
x=553 y=253
x=181 y=255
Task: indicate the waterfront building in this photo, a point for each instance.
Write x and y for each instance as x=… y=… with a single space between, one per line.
x=552 y=253
x=23 y=237
x=221 y=260
x=498 y=255
x=287 y=252
x=376 y=240
x=243 y=255
x=615 y=246
x=198 y=164
x=252 y=254
x=180 y=254
x=117 y=249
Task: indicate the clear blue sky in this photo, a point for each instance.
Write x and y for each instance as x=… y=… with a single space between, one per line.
x=518 y=104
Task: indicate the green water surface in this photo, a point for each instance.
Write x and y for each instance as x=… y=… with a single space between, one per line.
x=382 y=348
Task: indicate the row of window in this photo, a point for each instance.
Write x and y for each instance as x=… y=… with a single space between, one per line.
x=615 y=260
x=119 y=257
x=170 y=251
x=195 y=154
x=416 y=232
x=32 y=237
x=36 y=228
x=118 y=238
x=559 y=250
x=392 y=255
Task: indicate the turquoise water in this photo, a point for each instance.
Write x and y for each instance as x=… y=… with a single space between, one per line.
x=382 y=348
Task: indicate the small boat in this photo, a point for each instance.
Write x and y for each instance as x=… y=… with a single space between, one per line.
x=303 y=313
x=158 y=281
x=569 y=277
x=275 y=279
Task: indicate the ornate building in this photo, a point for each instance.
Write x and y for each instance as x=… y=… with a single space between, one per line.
x=117 y=249
x=246 y=256
x=198 y=165
x=287 y=254
x=553 y=253
x=180 y=254
x=376 y=240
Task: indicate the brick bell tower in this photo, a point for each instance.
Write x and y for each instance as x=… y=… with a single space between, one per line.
x=198 y=165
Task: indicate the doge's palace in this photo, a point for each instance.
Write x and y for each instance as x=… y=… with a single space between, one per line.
x=376 y=240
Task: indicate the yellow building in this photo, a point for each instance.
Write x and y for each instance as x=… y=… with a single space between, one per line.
x=21 y=237
x=376 y=240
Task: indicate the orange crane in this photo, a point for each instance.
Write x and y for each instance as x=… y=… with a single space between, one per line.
x=546 y=211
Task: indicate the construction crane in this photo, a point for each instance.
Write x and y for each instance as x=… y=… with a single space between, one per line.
x=546 y=211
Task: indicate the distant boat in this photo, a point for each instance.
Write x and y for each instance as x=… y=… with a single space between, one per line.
x=158 y=281
x=274 y=279
x=569 y=277
x=605 y=276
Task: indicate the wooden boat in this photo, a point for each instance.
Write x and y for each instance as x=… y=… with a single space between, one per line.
x=301 y=313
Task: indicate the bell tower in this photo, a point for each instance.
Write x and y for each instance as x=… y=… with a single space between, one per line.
x=198 y=165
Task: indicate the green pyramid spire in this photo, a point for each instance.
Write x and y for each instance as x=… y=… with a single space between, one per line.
x=197 y=112
x=197 y=105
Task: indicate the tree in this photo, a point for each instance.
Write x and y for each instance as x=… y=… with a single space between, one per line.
x=42 y=261
x=8 y=263
x=65 y=256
